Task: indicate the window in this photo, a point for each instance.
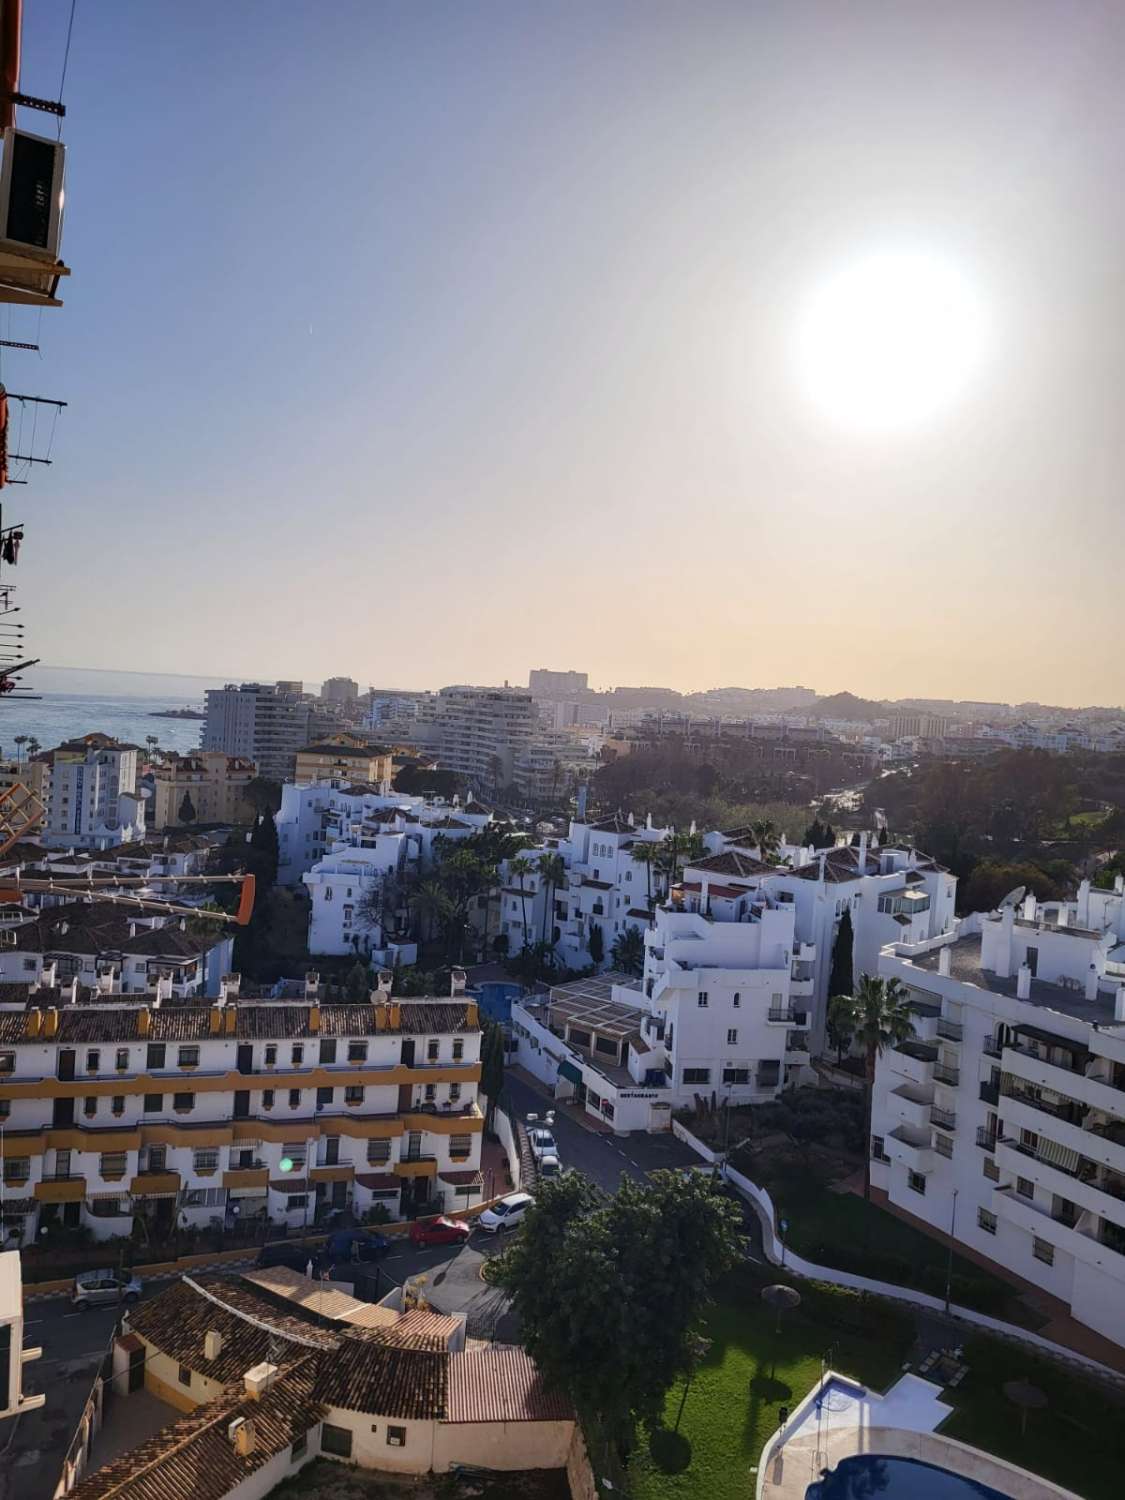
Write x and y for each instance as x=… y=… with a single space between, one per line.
x=1042 y=1251
x=122 y=1059
x=183 y=1101
x=916 y=1182
x=267 y=1098
x=294 y=1098
x=298 y=1054
x=357 y=1051
x=986 y=1220
x=90 y=1106
x=1025 y=1187
x=607 y=1109
x=348 y=913
x=119 y=1104
x=696 y=1075
x=396 y=1437
x=206 y=1161
x=157 y=1159
x=154 y=1055
x=324 y=1096
x=879 y=1148
x=153 y=1104
x=188 y=1057
x=702 y=1000
x=328 y=1050
x=353 y=1094
x=17 y=1168
x=460 y=1145
x=298 y=1447
x=991 y=1170
x=378 y=1152
x=606 y=1045
x=458 y=1049
x=433 y=1048
x=736 y=1075
x=431 y=1092
x=943 y=1144
x=736 y=1000
x=7 y=1062
x=295 y=1200
x=185 y=1375
x=114 y=1164
x=93 y=1060
x=328 y=893
x=454 y=1092
x=294 y=1151
x=732 y=1037
x=271 y=1055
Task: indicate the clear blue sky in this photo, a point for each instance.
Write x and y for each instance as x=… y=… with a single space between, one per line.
x=429 y=342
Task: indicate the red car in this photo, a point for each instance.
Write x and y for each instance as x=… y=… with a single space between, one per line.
x=441 y=1231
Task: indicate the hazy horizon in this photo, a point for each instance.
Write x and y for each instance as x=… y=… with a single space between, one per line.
x=716 y=343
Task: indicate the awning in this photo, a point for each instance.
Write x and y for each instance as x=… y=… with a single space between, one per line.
x=379 y=1182
x=150 y=1197
x=462 y=1179
x=569 y=1071
x=289 y=1185
x=247 y=1192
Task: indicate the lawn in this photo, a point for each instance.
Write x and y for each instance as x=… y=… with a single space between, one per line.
x=750 y=1371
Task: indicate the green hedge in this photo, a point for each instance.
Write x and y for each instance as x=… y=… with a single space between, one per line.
x=984 y=1296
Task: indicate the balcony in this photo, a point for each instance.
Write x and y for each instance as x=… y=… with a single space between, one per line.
x=1077 y=1184
x=914 y=1151
x=416 y=1166
x=950 y=1030
x=990 y=1094
x=986 y=1139
x=155 y=1185
x=914 y=1061
x=66 y=1189
x=992 y=1048
x=911 y=1104
x=944 y=1073
x=246 y=1177
x=786 y=1016
x=1024 y=1114
x=944 y=1119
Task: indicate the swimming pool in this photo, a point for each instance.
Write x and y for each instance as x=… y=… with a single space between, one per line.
x=866 y=1476
x=495 y=999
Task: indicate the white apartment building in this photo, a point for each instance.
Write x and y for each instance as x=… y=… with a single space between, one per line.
x=91 y=795
x=339 y=690
x=1003 y=1120
x=544 y=683
x=239 y=1108
x=482 y=732
x=259 y=722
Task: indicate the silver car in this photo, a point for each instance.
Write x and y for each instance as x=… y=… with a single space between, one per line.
x=102 y=1288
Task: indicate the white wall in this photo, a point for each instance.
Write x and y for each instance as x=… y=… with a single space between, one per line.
x=502 y=1445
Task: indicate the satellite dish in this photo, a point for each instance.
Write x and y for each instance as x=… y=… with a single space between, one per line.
x=1014 y=897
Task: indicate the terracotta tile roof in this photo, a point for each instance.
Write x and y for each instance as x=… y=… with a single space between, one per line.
x=616 y=824
x=731 y=862
x=180 y=1023
x=12 y=1023
x=502 y=1384
x=380 y=1182
x=97 y=1024
x=283 y=1022
x=90 y=927
x=366 y=1375
x=194 y=1457
x=635 y=911
x=460 y=1179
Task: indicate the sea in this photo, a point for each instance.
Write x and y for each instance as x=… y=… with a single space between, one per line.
x=76 y=701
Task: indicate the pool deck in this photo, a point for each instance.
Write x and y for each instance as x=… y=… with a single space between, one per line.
x=851 y=1421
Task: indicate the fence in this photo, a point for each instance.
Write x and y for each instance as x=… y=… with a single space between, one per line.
x=89 y=1423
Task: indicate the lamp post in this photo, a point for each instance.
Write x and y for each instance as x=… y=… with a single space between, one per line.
x=949 y=1262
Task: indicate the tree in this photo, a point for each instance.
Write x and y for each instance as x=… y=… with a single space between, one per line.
x=357 y=985
x=818 y=835
x=21 y=741
x=767 y=838
x=884 y=835
x=841 y=978
x=33 y=747
x=187 y=809
x=492 y=1066
x=609 y=1291
x=263 y=840
x=991 y=880
x=629 y=951
x=431 y=907
x=463 y=877
x=263 y=795
x=596 y=943
x=678 y=848
x=521 y=867
x=552 y=873
x=879 y=1016
x=647 y=855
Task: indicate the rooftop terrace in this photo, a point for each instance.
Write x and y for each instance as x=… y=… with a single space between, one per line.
x=965 y=965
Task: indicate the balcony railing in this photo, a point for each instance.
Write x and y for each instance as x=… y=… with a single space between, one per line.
x=990 y=1093
x=787 y=1014
x=945 y=1119
x=950 y=1030
x=992 y=1048
x=943 y=1073
x=943 y=1145
x=986 y=1139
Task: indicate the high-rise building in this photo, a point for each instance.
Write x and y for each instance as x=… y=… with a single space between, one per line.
x=482 y=731
x=543 y=683
x=340 y=690
x=92 y=800
x=258 y=722
x=213 y=783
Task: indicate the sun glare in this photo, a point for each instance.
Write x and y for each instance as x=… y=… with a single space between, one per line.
x=890 y=341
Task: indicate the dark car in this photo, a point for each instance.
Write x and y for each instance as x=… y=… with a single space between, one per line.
x=355 y=1244
x=295 y=1256
x=440 y=1231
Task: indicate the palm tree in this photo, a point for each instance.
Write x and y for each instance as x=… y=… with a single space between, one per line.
x=521 y=867
x=678 y=848
x=21 y=741
x=430 y=905
x=33 y=747
x=629 y=951
x=647 y=855
x=879 y=1016
x=552 y=873
x=767 y=838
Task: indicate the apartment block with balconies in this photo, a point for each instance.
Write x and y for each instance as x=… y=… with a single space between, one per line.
x=1002 y=1120
x=200 y=1113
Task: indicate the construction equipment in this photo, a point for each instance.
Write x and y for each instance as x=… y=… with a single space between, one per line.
x=115 y=888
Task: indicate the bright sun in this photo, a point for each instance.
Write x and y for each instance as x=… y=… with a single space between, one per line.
x=890 y=340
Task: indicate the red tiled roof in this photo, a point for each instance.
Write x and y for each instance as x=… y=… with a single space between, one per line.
x=502 y=1384
x=460 y=1179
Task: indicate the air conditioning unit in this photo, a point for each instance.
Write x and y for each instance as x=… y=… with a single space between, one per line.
x=394 y=1442
x=31 y=192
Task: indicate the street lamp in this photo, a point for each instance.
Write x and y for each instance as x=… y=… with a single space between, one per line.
x=949 y=1262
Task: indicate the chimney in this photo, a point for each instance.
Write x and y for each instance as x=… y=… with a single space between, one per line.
x=457 y=982
x=312 y=985
x=71 y=991
x=243 y=1436
x=1004 y=946
x=861 y=857
x=51 y=1022
x=212 y=1344
x=229 y=986
x=1092 y=978
x=1084 y=903
x=1119 y=885
x=1029 y=907
x=822 y=859
x=259 y=1378
x=1119 y=1003
x=944 y=959
x=232 y=1020
x=1023 y=982
x=1064 y=914
x=384 y=979
x=216 y=1021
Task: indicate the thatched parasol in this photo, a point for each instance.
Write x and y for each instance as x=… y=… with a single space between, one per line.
x=782 y=1297
x=1027 y=1397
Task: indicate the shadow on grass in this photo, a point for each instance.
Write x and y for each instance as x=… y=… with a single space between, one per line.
x=670 y=1451
x=768 y=1388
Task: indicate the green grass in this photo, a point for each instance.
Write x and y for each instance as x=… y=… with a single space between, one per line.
x=1075 y=1440
x=749 y=1372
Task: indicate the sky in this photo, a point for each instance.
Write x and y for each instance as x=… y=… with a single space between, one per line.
x=432 y=342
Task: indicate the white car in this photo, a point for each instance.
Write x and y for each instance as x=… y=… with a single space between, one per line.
x=507 y=1214
x=97 y=1288
x=550 y=1166
x=542 y=1143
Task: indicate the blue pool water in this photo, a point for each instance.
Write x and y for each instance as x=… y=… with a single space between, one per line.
x=867 y=1477
x=495 y=999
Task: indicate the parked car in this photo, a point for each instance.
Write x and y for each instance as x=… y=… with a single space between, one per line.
x=441 y=1231
x=507 y=1214
x=550 y=1166
x=542 y=1142
x=355 y=1244
x=96 y=1288
x=294 y=1255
